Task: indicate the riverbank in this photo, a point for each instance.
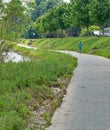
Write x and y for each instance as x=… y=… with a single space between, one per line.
x=91 y=45
x=22 y=89
x=30 y=91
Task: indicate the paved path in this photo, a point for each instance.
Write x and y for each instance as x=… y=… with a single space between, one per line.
x=86 y=106
x=26 y=46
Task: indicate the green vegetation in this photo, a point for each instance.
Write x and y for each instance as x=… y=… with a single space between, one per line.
x=12 y=19
x=68 y=19
x=91 y=45
x=25 y=86
x=5 y=46
x=51 y=18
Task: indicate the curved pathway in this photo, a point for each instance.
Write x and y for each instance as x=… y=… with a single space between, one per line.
x=86 y=106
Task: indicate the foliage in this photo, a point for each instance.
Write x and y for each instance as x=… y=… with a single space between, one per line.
x=92 y=28
x=84 y=32
x=52 y=24
x=43 y=6
x=24 y=86
x=48 y=18
x=5 y=47
x=100 y=12
x=1 y=8
x=13 y=20
x=80 y=11
x=89 y=32
x=1 y=14
x=34 y=11
x=78 y=14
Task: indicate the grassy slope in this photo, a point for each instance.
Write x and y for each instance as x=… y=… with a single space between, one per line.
x=91 y=45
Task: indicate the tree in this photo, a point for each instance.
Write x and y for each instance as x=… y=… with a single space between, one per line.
x=1 y=15
x=61 y=12
x=51 y=21
x=38 y=9
x=56 y=22
x=34 y=11
x=13 y=19
x=11 y=24
x=100 y=12
x=1 y=8
x=80 y=13
x=42 y=7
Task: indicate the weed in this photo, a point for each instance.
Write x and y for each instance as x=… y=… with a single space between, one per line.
x=24 y=86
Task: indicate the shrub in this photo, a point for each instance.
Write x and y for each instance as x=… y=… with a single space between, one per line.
x=84 y=32
x=89 y=32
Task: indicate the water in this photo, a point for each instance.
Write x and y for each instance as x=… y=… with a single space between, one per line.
x=15 y=57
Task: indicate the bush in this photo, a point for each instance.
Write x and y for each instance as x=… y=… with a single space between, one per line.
x=89 y=32
x=84 y=32
x=92 y=28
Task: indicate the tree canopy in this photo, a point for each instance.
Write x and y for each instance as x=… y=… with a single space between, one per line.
x=80 y=12
x=12 y=20
x=74 y=16
x=52 y=18
x=100 y=12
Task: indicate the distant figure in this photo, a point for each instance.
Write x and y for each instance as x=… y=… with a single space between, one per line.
x=30 y=42
x=80 y=47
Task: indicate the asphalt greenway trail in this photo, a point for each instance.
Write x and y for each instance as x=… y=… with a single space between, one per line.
x=86 y=105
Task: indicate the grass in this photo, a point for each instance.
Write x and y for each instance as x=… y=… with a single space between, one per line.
x=91 y=45
x=25 y=86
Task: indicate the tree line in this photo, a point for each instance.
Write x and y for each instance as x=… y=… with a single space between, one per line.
x=52 y=18
x=69 y=19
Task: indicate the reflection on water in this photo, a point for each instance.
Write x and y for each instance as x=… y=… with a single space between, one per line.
x=15 y=57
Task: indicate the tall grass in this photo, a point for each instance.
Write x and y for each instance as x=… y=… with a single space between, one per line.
x=25 y=85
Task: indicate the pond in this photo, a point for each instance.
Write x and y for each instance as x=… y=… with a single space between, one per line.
x=15 y=57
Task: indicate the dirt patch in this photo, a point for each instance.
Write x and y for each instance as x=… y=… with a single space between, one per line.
x=41 y=116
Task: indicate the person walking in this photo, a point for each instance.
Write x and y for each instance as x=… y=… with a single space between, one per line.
x=80 y=47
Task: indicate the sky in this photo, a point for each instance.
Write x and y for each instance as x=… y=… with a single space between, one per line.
x=67 y=0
